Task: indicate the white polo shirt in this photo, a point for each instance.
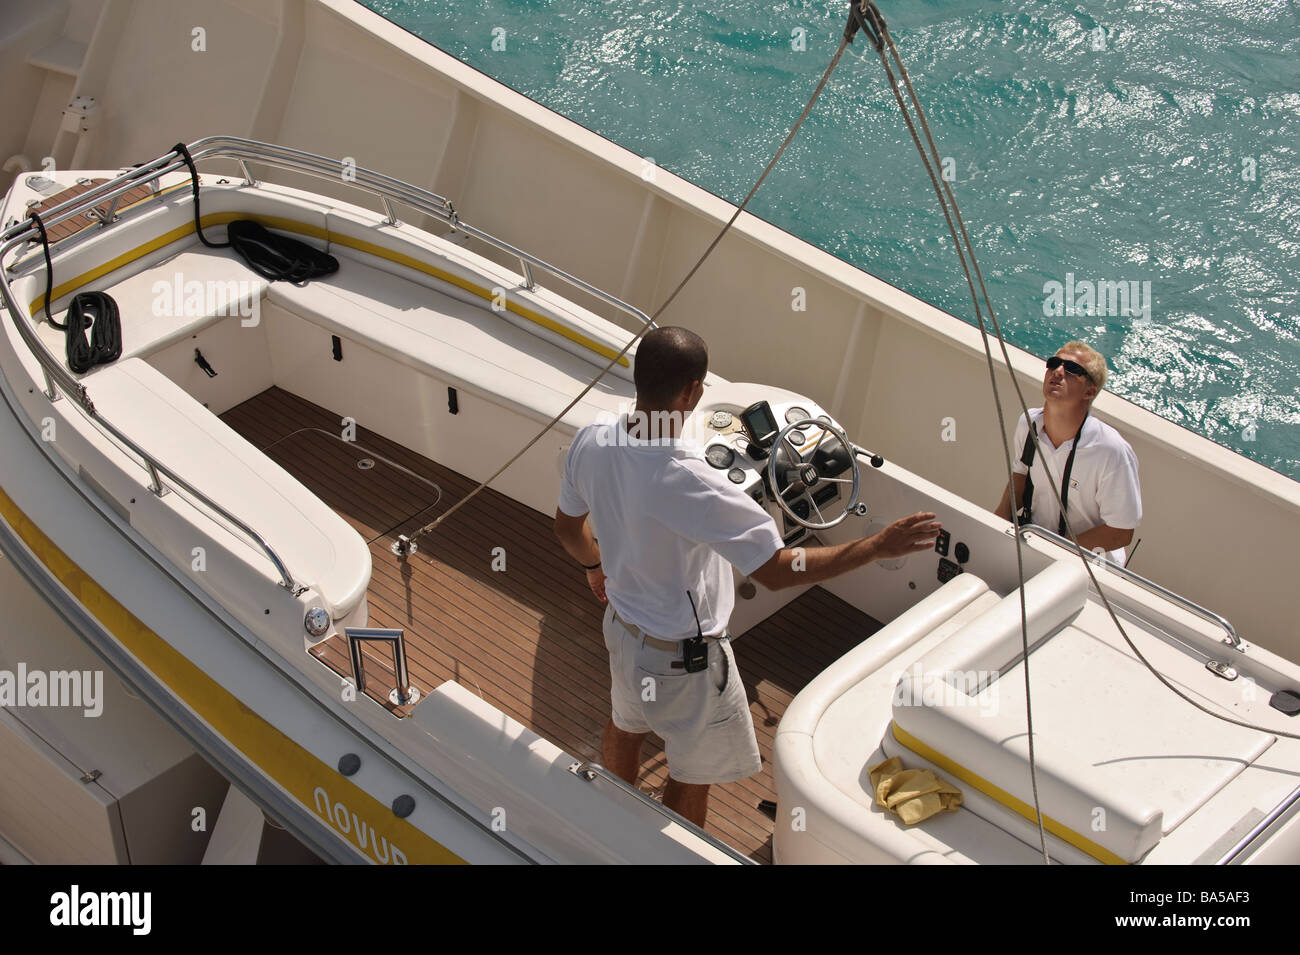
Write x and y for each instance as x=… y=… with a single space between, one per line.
x=1104 y=485
x=667 y=523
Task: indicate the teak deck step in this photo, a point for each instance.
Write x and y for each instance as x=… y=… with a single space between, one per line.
x=527 y=638
x=71 y=227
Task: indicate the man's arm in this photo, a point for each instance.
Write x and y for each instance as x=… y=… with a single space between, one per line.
x=789 y=567
x=1009 y=505
x=1004 y=506
x=1120 y=500
x=1106 y=537
x=575 y=535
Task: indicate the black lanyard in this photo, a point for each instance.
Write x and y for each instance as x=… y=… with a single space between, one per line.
x=1027 y=458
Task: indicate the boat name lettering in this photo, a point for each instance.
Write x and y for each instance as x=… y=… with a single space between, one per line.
x=350 y=824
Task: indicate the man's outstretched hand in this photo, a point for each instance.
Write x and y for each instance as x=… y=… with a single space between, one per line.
x=907 y=535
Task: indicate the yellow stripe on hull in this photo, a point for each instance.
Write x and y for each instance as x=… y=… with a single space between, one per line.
x=294 y=768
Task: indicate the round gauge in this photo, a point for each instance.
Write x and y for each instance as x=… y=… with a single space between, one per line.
x=720 y=456
x=737 y=475
x=822 y=419
x=719 y=420
x=796 y=436
x=796 y=414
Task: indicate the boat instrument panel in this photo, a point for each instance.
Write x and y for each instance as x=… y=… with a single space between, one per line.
x=810 y=466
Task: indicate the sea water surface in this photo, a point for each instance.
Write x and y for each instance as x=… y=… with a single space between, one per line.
x=1135 y=141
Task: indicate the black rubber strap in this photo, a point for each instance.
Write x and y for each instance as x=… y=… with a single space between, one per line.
x=49 y=270
x=1025 y=512
x=1027 y=459
x=194 y=182
x=1065 y=478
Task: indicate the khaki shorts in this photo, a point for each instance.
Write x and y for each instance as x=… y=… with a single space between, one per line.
x=703 y=718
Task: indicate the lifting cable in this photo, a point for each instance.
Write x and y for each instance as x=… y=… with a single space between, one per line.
x=865 y=15
x=405 y=545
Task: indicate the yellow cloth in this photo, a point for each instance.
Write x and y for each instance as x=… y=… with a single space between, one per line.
x=914 y=794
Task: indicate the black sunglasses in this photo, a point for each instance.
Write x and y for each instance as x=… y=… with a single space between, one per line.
x=1073 y=367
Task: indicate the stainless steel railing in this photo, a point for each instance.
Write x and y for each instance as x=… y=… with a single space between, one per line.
x=593 y=771
x=1231 y=856
x=389 y=190
x=404 y=693
x=1233 y=640
x=58 y=380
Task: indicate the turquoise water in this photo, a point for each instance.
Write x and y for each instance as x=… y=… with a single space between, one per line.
x=1141 y=142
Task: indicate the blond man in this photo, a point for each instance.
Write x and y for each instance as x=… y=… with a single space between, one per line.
x=1092 y=467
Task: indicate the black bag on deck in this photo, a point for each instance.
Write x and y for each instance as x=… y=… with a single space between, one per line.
x=278 y=257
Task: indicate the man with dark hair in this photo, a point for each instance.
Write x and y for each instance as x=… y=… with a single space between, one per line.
x=667 y=360
x=669 y=524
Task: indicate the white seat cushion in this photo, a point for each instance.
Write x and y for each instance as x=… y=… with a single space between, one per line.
x=1114 y=773
x=462 y=344
x=178 y=297
x=319 y=548
x=1119 y=761
x=831 y=731
x=805 y=711
x=992 y=643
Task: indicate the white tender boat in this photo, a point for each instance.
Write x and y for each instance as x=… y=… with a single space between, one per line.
x=214 y=510
x=217 y=510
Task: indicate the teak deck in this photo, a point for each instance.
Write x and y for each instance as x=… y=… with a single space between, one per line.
x=72 y=226
x=527 y=638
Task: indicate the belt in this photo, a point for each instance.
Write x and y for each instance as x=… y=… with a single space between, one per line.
x=672 y=646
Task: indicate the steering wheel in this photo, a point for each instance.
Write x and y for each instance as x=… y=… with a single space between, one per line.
x=787 y=469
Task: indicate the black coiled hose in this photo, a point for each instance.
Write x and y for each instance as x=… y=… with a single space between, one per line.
x=98 y=312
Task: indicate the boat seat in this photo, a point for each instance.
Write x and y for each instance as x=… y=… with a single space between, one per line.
x=990 y=645
x=496 y=761
x=464 y=345
x=831 y=732
x=1114 y=768
x=176 y=298
x=950 y=724
x=806 y=709
x=319 y=548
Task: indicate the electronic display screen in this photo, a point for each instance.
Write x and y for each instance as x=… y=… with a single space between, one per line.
x=759 y=424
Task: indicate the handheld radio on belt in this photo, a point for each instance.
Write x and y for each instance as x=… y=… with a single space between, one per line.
x=1026 y=515
x=695 y=651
